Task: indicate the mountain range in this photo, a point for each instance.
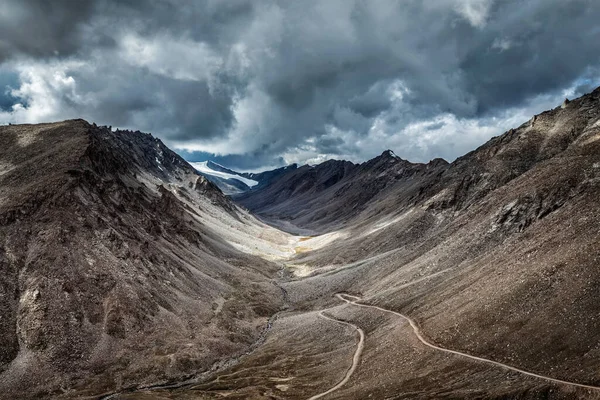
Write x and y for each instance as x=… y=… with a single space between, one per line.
x=129 y=274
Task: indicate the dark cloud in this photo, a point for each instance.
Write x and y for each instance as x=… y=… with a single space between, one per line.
x=372 y=102
x=549 y=45
x=268 y=82
x=42 y=28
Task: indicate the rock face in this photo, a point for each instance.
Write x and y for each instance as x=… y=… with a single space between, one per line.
x=114 y=267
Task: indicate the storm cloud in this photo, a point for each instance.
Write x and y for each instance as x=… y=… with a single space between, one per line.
x=256 y=84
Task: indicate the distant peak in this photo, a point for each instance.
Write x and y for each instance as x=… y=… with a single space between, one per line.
x=388 y=153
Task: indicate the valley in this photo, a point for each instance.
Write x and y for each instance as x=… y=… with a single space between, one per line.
x=130 y=275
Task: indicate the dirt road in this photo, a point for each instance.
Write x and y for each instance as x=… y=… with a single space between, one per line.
x=353 y=300
x=355 y=359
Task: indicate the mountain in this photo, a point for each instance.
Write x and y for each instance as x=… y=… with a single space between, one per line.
x=266 y=177
x=327 y=195
x=128 y=275
x=121 y=265
x=232 y=182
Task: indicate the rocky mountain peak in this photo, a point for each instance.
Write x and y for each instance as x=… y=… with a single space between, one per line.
x=389 y=154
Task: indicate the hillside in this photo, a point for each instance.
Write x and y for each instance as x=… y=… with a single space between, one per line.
x=121 y=265
x=328 y=195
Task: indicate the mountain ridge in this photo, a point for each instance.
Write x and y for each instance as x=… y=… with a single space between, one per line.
x=330 y=179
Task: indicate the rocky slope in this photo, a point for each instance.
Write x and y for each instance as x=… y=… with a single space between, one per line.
x=494 y=255
x=120 y=264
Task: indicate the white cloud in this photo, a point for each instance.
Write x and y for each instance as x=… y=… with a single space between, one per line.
x=47 y=92
x=474 y=11
x=444 y=135
x=502 y=44
x=179 y=58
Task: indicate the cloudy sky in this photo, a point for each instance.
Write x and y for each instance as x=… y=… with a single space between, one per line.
x=255 y=84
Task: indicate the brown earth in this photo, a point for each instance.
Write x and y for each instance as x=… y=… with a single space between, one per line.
x=493 y=256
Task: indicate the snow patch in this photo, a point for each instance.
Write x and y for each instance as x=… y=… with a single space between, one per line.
x=158 y=163
x=203 y=167
x=393 y=154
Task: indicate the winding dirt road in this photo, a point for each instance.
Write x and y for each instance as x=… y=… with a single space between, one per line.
x=355 y=359
x=353 y=300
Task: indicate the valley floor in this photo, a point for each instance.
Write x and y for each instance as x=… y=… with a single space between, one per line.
x=340 y=346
